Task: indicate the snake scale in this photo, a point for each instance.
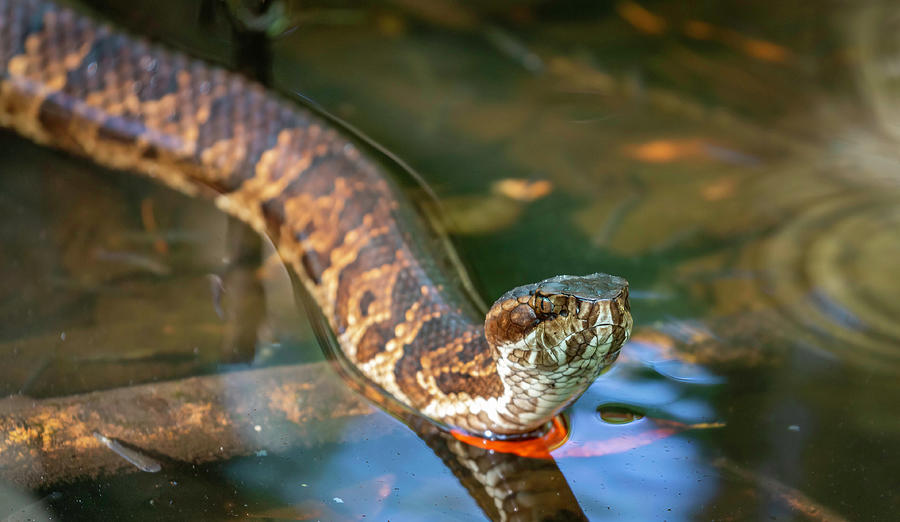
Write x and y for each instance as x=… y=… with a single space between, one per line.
x=336 y=217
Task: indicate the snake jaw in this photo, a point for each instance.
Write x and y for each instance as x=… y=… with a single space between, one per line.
x=550 y=340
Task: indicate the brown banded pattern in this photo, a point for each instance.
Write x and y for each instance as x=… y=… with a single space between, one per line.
x=335 y=216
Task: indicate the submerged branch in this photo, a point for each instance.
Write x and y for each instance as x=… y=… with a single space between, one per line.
x=199 y=419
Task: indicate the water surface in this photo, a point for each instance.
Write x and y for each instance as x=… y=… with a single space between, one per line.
x=736 y=162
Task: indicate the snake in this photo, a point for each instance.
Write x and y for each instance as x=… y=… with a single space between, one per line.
x=337 y=217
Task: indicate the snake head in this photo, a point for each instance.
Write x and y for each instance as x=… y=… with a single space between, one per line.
x=551 y=339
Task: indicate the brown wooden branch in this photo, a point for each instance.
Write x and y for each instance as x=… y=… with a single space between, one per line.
x=198 y=419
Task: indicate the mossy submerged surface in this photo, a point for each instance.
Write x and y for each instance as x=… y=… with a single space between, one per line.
x=741 y=174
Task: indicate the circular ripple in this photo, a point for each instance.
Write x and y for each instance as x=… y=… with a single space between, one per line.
x=835 y=270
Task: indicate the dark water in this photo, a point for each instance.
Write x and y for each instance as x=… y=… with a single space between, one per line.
x=737 y=162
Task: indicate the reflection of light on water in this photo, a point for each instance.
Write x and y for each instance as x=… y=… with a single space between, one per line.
x=643 y=454
x=833 y=270
x=376 y=468
x=687 y=372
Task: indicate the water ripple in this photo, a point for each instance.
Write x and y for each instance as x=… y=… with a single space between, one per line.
x=834 y=271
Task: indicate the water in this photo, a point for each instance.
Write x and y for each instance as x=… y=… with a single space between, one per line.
x=738 y=165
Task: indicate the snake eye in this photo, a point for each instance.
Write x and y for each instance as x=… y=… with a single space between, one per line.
x=542 y=304
x=564 y=313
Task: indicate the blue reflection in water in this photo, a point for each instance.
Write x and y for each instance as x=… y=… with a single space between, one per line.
x=652 y=471
x=383 y=472
x=687 y=372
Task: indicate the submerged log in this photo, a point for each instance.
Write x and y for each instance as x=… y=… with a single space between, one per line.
x=194 y=420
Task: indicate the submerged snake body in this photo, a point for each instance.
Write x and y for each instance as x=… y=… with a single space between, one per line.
x=333 y=214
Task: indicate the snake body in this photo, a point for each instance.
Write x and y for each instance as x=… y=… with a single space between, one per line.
x=335 y=216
